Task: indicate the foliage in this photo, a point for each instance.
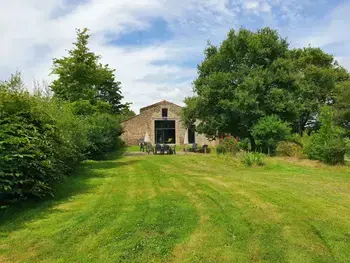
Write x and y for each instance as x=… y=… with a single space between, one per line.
x=342 y=106
x=103 y=134
x=188 y=113
x=290 y=149
x=327 y=144
x=27 y=138
x=269 y=131
x=252 y=158
x=245 y=144
x=254 y=74
x=334 y=151
x=42 y=140
x=82 y=77
x=228 y=144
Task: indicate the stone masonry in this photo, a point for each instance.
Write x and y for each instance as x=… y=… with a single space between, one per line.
x=135 y=128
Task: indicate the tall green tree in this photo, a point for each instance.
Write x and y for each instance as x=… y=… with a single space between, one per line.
x=269 y=131
x=342 y=106
x=254 y=74
x=81 y=77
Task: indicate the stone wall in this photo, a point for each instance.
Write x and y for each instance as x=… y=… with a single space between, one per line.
x=136 y=127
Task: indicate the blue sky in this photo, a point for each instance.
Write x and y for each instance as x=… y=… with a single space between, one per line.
x=155 y=45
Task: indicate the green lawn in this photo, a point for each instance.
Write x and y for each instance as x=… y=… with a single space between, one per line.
x=186 y=208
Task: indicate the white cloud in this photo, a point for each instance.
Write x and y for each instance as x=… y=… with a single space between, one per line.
x=33 y=32
x=251 y=5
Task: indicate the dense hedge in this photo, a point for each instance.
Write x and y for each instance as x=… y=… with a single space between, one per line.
x=41 y=141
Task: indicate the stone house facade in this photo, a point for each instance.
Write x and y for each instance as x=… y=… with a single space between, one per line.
x=162 y=124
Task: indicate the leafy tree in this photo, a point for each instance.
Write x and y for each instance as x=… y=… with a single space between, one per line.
x=327 y=144
x=269 y=131
x=13 y=84
x=27 y=136
x=315 y=77
x=254 y=74
x=342 y=106
x=82 y=77
x=188 y=113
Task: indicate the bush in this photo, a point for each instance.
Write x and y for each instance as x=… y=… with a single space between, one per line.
x=103 y=134
x=269 y=131
x=328 y=144
x=290 y=149
x=334 y=152
x=228 y=145
x=245 y=144
x=220 y=149
x=28 y=160
x=42 y=140
x=249 y=159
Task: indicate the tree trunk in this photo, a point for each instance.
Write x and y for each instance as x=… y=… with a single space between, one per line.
x=253 y=144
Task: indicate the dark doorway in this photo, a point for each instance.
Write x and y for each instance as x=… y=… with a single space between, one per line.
x=165 y=132
x=192 y=134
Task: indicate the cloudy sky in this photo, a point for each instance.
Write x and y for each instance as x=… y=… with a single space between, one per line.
x=155 y=45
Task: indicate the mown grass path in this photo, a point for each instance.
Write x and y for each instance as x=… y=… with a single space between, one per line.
x=186 y=209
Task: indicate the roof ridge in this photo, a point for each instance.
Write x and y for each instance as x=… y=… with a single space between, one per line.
x=159 y=102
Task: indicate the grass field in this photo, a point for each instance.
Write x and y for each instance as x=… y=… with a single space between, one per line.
x=188 y=208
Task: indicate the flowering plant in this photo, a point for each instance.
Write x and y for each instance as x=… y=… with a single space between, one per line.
x=228 y=144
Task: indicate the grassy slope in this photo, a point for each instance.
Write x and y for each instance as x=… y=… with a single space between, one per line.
x=186 y=209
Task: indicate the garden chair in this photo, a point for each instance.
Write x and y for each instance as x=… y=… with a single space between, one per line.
x=149 y=148
x=173 y=149
x=166 y=149
x=205 y=149
x=142 y=144
x=158 y=149
x=194 y=148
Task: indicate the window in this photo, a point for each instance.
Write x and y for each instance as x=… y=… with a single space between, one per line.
x=165 y=132
x=165 y=113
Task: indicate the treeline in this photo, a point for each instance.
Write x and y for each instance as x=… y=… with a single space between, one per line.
x=45 y=134
x=254 y=87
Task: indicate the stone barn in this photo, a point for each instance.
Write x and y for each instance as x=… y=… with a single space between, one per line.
x=161 y=122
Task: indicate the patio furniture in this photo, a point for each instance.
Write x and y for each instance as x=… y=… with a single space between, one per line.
x=205 y=149
x=194 y=148
x=166 y=149
x=158 y=149
x=141 y=144
x=149 y=148
x=173 y=149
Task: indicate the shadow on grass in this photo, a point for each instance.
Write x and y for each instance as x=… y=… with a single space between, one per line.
x=105 y=165
x=18 y=214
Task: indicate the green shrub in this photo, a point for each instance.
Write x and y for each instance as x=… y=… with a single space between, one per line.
x=103 y=134
x=245 y=144
x=253 y=158
x=220 y=149
x=347 y=145
x=328 y=144
x=290 y=149
x=28 y=137
x=269 y=131
x=228 y=144
x=42 y=140
x=334 y=152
